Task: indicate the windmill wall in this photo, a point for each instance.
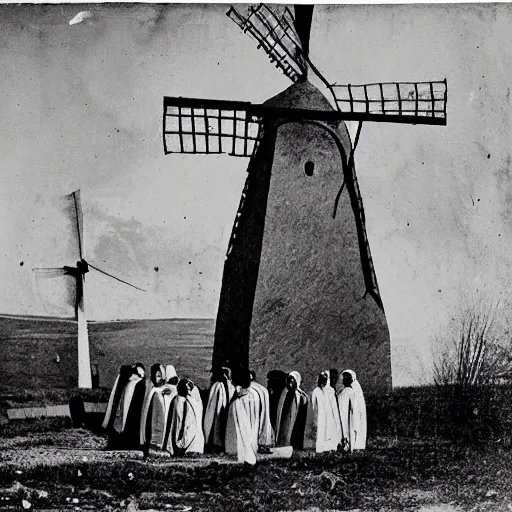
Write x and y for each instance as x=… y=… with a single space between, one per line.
x=310 y=310
x=240 y=277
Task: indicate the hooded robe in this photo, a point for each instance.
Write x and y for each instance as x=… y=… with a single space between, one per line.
x=265 y=432
x=276 y=382
x=184 y=432
x=126 y=418
x=215 y=417
x=122 y=378
x=154 y=413
x=291 y=416
x=353 y=415
x=169 y=390
x=242 y=425
x=323 y=427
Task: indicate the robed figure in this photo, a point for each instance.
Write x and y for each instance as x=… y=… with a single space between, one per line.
x=122 y=418
x=215 y=417
x=113 y=402
x=323 y=427
x=291 y=413
x=170 y=389
x=265 y=432
x=276 y=382
x=243 y=421
x=154 y=411
x=184 y=432
x=352 y=413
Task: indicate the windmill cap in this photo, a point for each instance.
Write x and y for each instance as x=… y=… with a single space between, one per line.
x=300 y=95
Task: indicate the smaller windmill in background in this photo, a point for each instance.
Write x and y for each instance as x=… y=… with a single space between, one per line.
x=78 y=272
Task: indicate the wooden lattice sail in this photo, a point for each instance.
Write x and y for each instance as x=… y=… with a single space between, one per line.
x=299 y=289
x=276 y=34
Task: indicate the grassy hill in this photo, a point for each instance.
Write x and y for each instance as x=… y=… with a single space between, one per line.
x=40 y=352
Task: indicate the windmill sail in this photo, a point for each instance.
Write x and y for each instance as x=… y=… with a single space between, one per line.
x=114 y=277
x=56 y=292
x=79 y=221
x=393 y=102
x=276 y=34
x=303 y=19
x=209 y=127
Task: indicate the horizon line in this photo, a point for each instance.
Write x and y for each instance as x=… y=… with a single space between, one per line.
x=70 y=319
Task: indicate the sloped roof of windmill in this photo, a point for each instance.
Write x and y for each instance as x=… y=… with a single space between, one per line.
x=300 y=95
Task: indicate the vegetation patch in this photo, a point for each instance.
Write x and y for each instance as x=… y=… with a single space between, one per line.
x=393 y=474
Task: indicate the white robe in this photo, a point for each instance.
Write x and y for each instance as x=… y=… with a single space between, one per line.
x=243 y=426
x=218 y=401
x=265 y=432
x=195 y=394
x=185 y=432
x=361 y=415
x=323 y=428
x=349 y=418
x=169 y=391
x=154 y=396
x=109 y=412
x=124 y=403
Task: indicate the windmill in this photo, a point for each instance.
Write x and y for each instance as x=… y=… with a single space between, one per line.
x=78 y=272
x=299 y=289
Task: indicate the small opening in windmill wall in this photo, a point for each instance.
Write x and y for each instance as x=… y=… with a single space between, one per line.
x=309 y=168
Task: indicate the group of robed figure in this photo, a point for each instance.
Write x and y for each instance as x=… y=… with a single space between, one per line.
x=240 y=418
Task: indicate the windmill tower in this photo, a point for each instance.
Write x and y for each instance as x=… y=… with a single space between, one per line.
x=299 y=289
x=78 y=272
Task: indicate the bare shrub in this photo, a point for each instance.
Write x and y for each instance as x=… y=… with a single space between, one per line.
x=464 y=352
x=469 y=361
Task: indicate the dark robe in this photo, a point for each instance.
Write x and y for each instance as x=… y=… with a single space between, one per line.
x=114 y=437
x=291 y=418
x=130 y=437
x=276 y=382
x=216 y=415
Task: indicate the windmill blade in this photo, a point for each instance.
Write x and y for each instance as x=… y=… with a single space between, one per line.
x=56 y=289
x=50 y=272
x=114 y=277
x=303 y=19
x=79 y=222
x=393 y=102
x=194 y=125
x=276 y=34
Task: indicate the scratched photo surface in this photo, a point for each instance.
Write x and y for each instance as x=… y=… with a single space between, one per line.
x=227 y=229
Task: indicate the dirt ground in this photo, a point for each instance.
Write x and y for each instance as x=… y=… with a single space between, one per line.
x=67 y=469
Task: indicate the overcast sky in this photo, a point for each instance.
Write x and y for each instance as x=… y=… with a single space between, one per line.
x=81 y=107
